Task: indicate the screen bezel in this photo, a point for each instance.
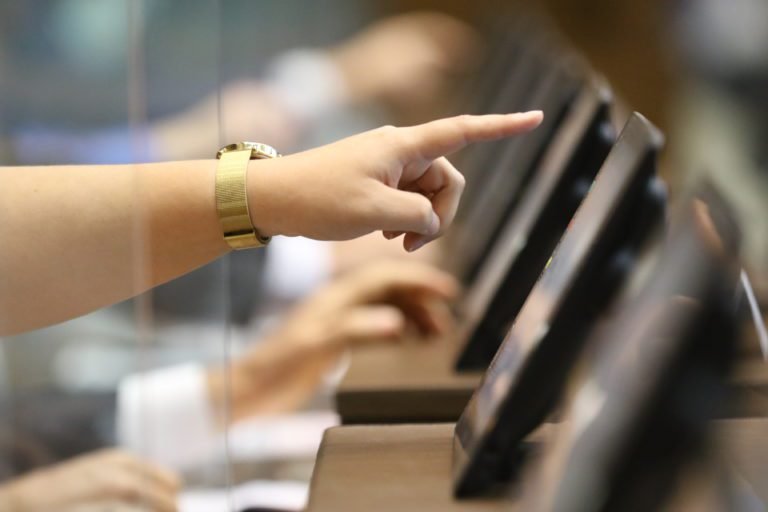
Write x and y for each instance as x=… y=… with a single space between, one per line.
x=530 y=234
x=623 y=180
x=504 y=183
x=645 y=354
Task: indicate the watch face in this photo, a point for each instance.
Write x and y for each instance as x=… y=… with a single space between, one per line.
x=258 y=150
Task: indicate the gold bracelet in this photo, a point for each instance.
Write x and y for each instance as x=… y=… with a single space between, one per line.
x=232 y=196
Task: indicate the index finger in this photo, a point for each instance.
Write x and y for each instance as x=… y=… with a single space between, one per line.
x=444 y=136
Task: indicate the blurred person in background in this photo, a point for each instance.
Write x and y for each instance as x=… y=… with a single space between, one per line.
x=169 y=414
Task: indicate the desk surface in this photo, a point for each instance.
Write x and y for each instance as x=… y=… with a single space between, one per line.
x=744 y=443
x=382 y=468
x=408 y=467
x=416 y=383
x=411 y=382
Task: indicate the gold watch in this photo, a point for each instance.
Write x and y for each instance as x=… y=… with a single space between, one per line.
x=231 y=193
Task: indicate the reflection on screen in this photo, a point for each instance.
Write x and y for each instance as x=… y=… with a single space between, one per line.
x=540 y=308
x=665 y=341
x=612 y=186
x=517 y=233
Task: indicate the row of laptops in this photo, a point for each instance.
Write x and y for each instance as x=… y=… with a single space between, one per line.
x=563 y=244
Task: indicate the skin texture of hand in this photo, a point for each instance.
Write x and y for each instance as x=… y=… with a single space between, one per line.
x=395 y=180
x=105 y=480
x=378 y=303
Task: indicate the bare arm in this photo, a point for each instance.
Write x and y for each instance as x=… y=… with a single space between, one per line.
x=77 y=238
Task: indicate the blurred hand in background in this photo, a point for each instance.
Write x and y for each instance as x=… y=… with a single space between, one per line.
x=379 y=303
x=106 y=480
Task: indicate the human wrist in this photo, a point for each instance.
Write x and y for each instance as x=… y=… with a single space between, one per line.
x=262 y=189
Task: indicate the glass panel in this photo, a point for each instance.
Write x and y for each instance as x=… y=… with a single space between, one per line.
x=60 y=379
x=167 y=412
x=132 y=80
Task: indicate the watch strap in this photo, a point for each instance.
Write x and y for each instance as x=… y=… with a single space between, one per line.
x=232 y=201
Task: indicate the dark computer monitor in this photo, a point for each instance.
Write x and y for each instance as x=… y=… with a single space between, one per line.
x=658 y=376
x=507 y=42
x=503 y=185
x=525 y=379
x=514 y=91
x=512 y=35
x=533 y=230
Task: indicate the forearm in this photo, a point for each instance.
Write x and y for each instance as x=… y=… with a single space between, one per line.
x=82 y=237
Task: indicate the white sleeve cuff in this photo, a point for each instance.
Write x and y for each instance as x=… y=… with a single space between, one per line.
x=307 y=82
x=296 y=266
x=165 y=415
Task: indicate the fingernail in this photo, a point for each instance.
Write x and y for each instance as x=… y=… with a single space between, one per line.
x=434 y=225
x=418 y=244
x=386 y=320
x=536 y=113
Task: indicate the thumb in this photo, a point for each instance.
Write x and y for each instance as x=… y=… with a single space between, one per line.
x=368 y=324
x=403 y=211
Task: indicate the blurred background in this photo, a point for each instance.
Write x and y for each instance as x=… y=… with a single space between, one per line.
x=94 y=81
